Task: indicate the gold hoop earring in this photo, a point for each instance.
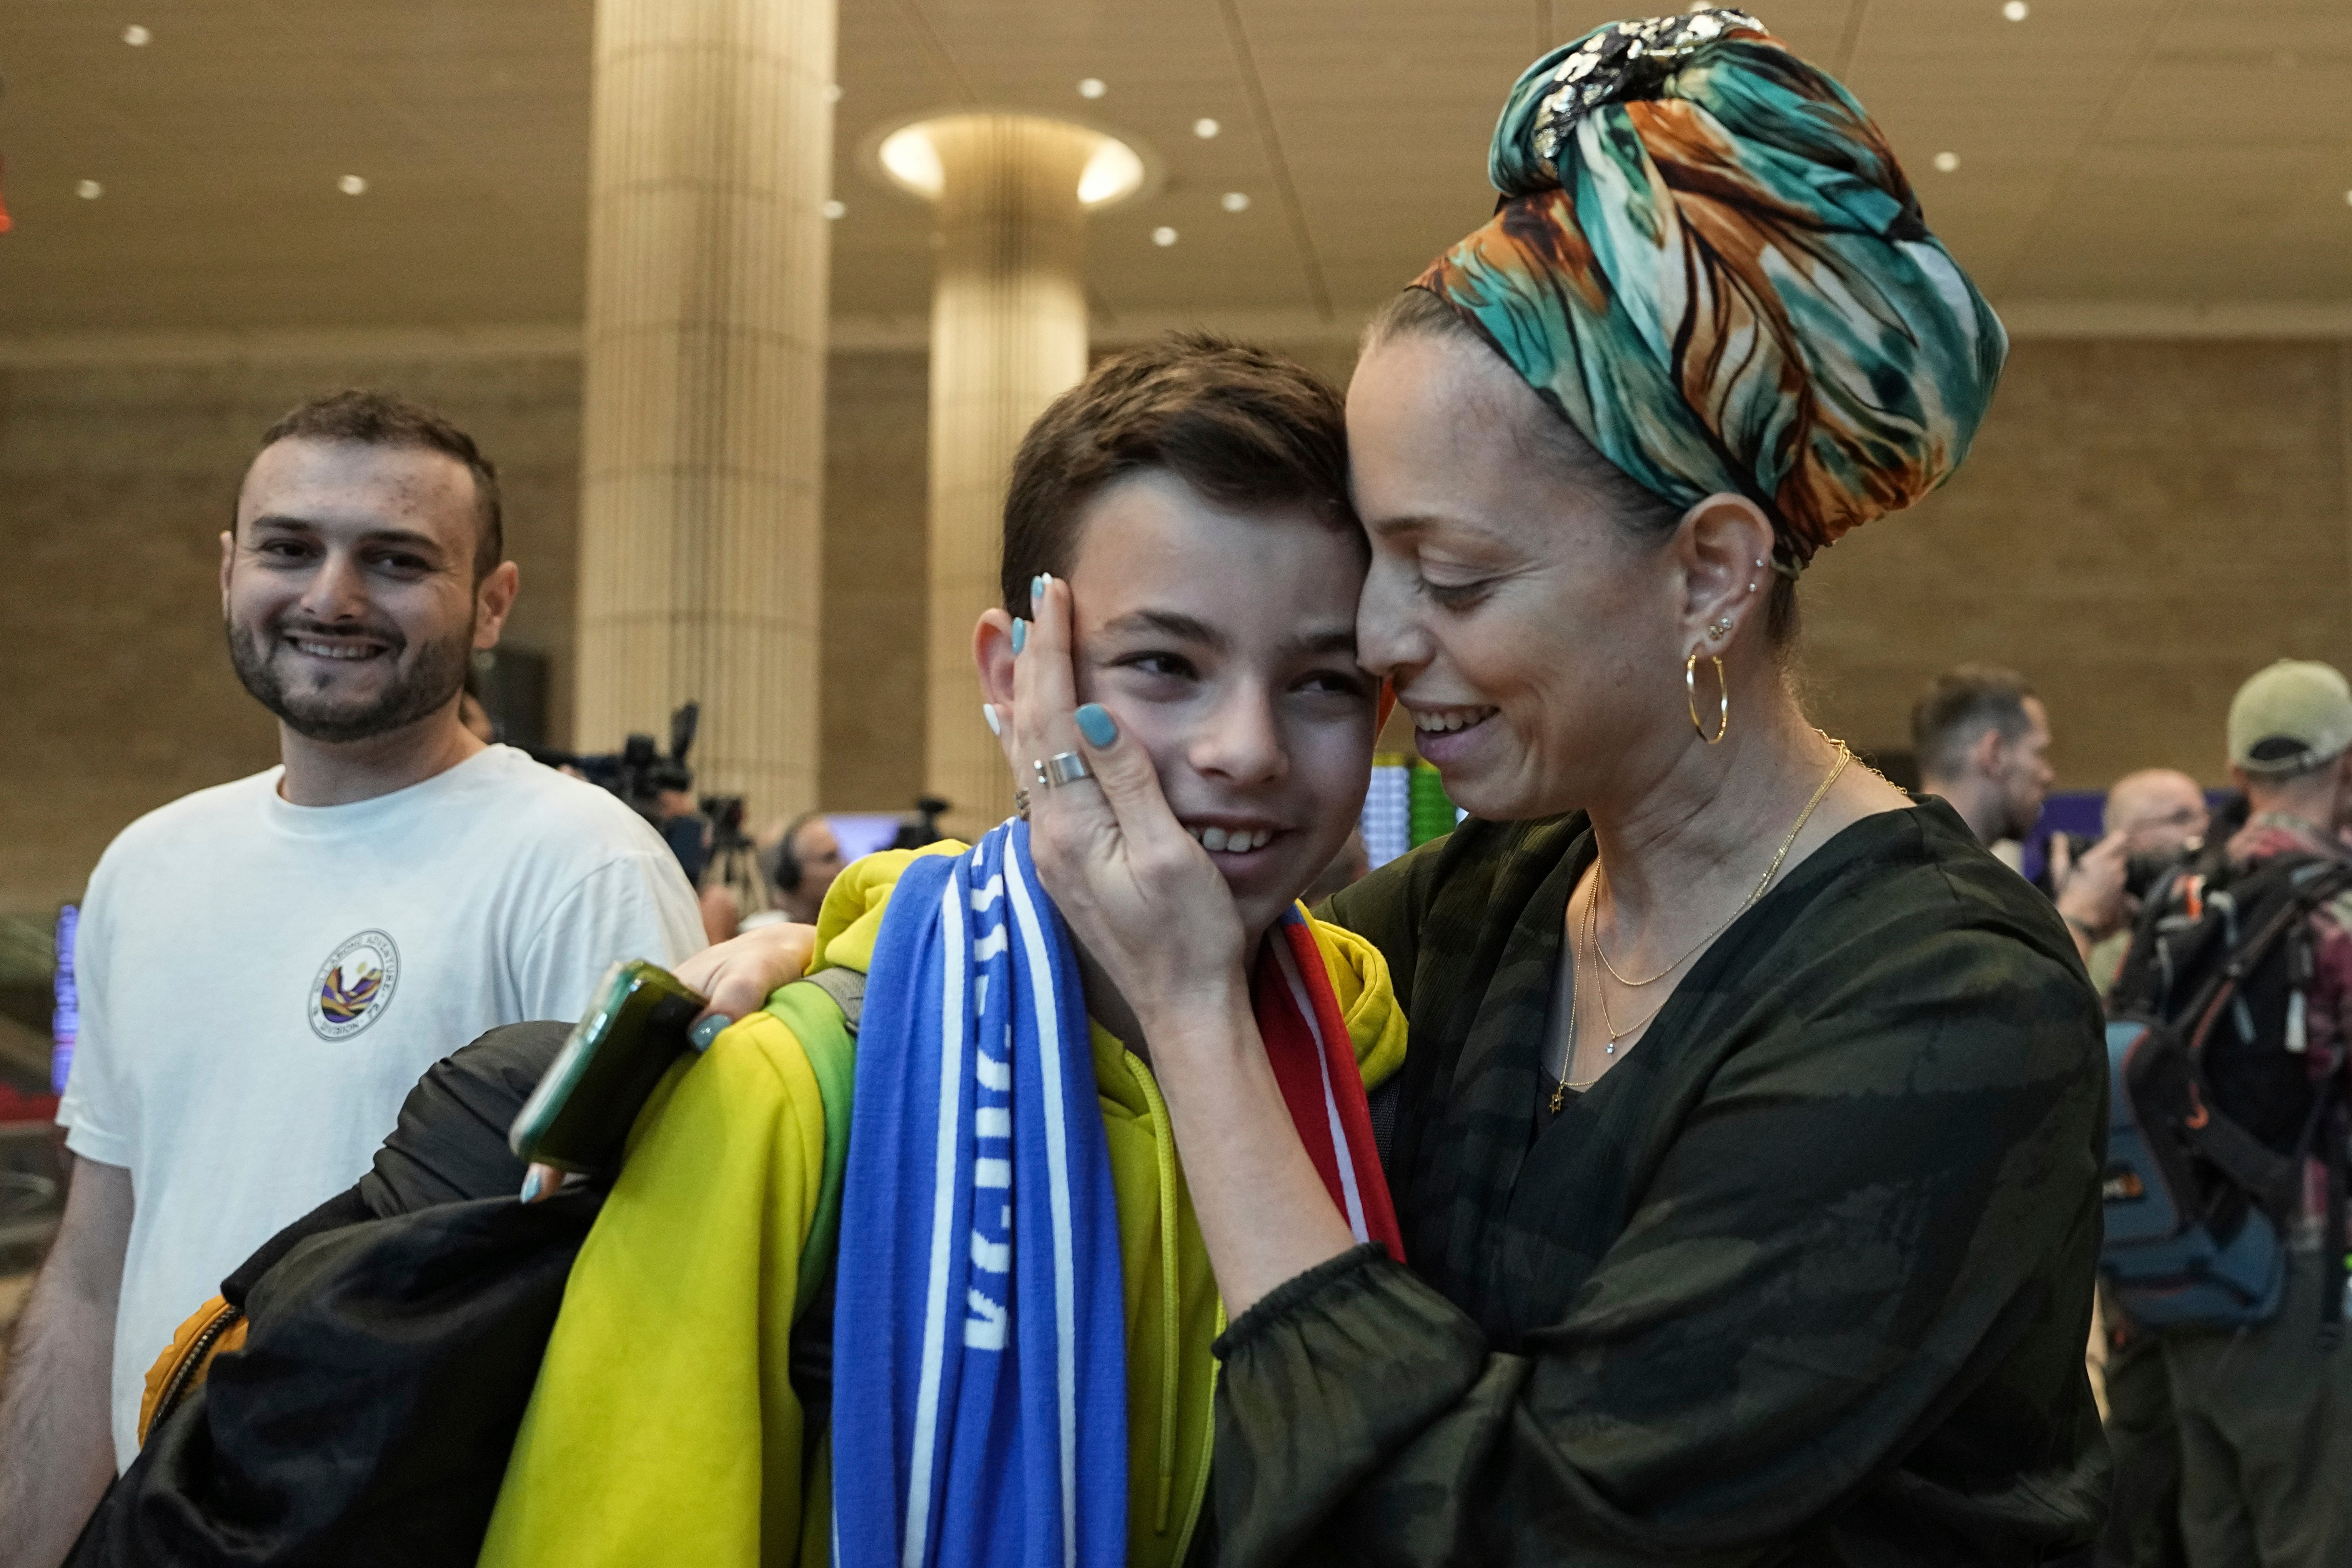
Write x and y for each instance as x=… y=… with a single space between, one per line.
x=1690 y=684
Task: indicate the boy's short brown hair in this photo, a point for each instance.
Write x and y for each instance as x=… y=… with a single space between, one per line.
x=1241 y=426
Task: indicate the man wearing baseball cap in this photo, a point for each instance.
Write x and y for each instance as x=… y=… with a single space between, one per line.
x=2265 y=1412
x=2287 y=723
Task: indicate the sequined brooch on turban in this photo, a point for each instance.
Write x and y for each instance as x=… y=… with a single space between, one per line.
x=1708 y=260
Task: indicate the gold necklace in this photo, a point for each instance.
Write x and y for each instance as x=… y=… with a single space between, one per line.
x=1593 y=939
x=1601 y=881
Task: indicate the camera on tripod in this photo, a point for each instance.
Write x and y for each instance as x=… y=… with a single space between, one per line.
x=648 y=779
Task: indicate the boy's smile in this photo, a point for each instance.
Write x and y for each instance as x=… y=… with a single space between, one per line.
x=1224 y=642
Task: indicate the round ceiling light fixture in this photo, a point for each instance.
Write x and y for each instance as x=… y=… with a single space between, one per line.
x=137 y=37
x=1091 y=86
x=1205 y=128
x=1113 y=173
x=1234 y=201
x=834 y=209
x=832 y=92
x=909 y=158
x=351 y=186
x=89 y=190
x=1946 y=161
x=2016 y=10
x=1163 y=236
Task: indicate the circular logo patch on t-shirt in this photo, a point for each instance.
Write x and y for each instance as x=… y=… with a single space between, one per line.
x=354 y=985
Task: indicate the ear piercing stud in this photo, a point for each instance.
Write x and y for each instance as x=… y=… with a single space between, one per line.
x=1721 y=627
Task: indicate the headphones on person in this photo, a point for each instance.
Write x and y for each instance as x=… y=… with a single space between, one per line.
x=787 y=874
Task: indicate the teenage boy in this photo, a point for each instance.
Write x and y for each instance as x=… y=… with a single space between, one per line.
x=1192 y=496
x=267 y=966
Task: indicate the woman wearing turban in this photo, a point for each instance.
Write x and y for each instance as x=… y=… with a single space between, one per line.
x=1746 y=1151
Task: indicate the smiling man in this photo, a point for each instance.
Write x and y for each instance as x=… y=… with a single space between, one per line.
x=269 y=965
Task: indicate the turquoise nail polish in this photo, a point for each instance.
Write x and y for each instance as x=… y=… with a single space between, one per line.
x=1096 y=725
x=532 y=1183
x=709 y=1030
x=1019 y=633
x=1036 y=590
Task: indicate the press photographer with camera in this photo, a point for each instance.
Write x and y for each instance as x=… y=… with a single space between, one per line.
x=2150 y=820
x=2225 y=1229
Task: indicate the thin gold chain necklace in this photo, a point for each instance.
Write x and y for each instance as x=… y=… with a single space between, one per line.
x=1601 y=883
x=1592 y=941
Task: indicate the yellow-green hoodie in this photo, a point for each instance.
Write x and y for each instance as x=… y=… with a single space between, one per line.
x=664 y=1428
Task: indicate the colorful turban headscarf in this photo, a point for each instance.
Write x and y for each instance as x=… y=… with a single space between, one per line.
x=1707 y=260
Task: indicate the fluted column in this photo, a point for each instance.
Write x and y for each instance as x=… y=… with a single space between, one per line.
x=1008 y=336
x=704 y=423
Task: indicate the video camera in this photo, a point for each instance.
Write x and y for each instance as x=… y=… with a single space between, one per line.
x=2142 y=871
x=640 y=773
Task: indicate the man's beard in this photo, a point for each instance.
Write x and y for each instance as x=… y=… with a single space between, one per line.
x=2022 y=817
x=429 y=683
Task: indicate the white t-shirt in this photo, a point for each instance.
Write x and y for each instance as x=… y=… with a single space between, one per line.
x=262 y=984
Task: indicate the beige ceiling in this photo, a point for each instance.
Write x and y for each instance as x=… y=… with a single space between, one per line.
x=2166 y=154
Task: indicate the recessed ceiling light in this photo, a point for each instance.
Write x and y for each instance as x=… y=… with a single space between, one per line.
x=1205 y=128
x=1234 y=201
x=2347 y=198
x=1113 y=171
x=834 y=209
x=1163 y=236
x=89 y=190
x=832 y=92
x=1946 y=161
x=2016 y=10
x=911 y=158
x=1092 y=87
x=136 y=36
x=351 y=186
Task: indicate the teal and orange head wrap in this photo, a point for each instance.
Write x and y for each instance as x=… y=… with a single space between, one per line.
x=1707 y=260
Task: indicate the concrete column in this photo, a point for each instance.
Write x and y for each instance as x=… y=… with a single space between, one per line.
x=704 y=439
x=1008 y=336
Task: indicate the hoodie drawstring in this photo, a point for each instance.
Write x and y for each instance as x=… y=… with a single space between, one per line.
x=1163 y=1148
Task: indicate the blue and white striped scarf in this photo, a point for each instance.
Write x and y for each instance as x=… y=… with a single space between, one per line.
x=979 y=1373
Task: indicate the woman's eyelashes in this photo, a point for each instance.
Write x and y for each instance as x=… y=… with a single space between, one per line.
x=1455 y=595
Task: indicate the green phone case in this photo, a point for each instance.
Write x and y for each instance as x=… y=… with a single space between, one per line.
x=579 y=1115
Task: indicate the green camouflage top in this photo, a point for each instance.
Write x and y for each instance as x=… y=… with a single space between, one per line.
x=1805 y=1280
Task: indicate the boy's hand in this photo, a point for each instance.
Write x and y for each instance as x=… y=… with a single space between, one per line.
x=739 y=974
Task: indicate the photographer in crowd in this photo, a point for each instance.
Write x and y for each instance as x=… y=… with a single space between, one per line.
x=1983 y=740
x=2151 y=819
x=2253 y=1406
x=266 y=966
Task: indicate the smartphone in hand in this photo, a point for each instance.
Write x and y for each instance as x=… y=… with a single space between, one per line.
x=579 y=1115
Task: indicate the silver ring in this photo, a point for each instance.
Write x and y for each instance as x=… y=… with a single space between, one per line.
x=1066 y=767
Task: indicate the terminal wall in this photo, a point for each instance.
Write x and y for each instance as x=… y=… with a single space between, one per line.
x=2142 y=524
